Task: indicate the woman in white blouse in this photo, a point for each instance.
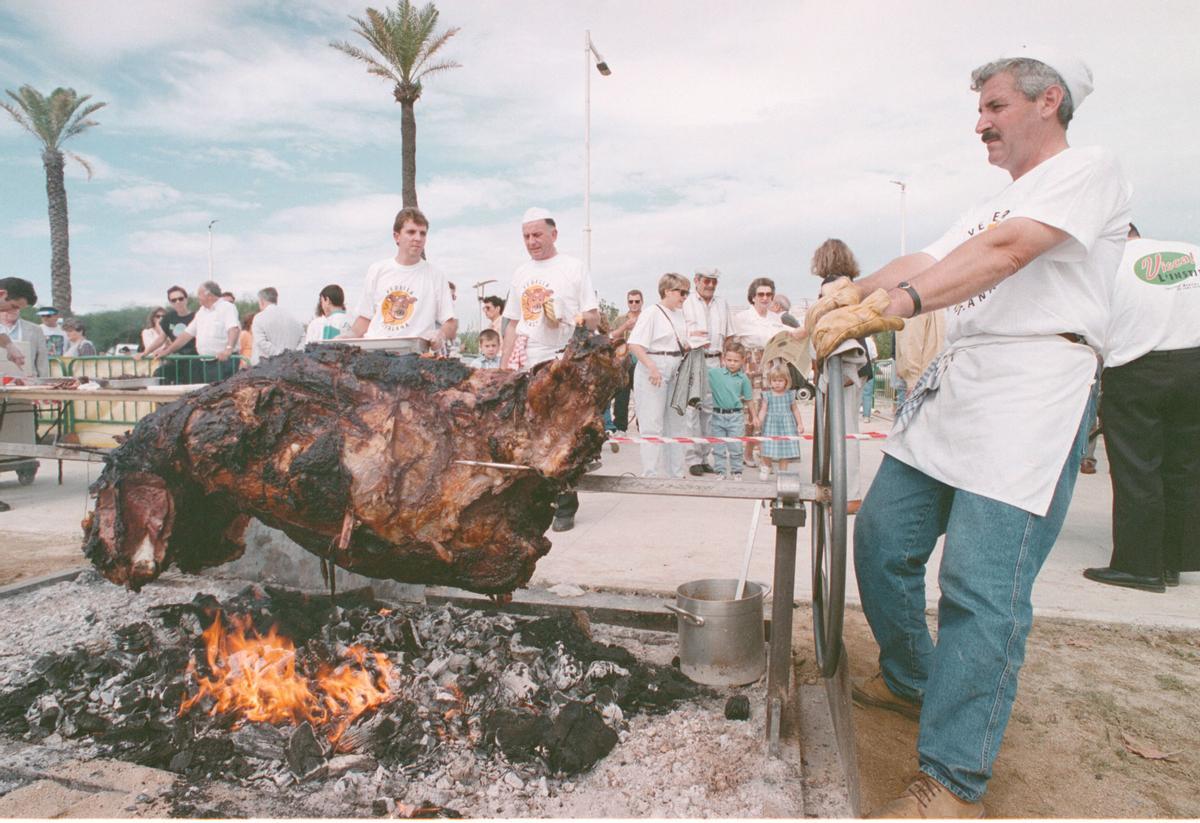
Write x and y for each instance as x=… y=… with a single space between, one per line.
x=331 y=319
x=753 y=328
x=657 y=343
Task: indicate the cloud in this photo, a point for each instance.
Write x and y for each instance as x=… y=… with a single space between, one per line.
x=143 y=197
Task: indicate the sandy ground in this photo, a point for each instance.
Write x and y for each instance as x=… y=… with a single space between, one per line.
x=1083 y=687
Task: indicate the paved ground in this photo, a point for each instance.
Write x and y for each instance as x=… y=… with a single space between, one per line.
x=644 y=543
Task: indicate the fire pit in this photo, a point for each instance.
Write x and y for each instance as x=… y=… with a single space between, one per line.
x=366 y=709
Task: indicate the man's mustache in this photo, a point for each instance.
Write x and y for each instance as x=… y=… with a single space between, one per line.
x=989 y=135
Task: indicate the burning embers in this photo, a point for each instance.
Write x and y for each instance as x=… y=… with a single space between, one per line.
x=256 y=677
x=442 y=695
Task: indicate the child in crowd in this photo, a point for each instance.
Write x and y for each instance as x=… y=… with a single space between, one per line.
x=489 y=350
x=780 y=413
x=731 y=393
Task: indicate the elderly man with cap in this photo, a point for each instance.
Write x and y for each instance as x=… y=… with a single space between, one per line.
x=709 y=322
x=548 y=291
x=986 y=448
x=56 y=338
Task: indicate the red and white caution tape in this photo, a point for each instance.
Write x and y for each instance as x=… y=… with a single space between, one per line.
x=745 y=439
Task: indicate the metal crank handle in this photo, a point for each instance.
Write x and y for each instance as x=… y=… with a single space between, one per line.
x=694 y=619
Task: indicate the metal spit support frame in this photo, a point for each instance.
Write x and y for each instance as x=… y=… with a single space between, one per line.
x=827 y=496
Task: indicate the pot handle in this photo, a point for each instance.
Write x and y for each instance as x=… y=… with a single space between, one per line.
x=694 y=619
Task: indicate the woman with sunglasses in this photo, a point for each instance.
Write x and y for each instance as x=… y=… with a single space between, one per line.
x=152 y=329
x=657 y=343
x=753 y=328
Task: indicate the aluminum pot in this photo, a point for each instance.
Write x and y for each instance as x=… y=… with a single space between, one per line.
x=721 y=640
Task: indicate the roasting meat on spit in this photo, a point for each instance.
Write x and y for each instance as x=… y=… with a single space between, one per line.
x=353 y=454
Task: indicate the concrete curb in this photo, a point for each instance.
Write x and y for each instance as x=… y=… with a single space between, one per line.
x=31 y=583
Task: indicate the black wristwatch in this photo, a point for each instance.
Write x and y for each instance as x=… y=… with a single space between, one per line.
x=916 y=298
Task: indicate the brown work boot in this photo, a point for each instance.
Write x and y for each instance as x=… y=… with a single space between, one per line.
x=875 y=692
x=927 y=798
x=1087 y=465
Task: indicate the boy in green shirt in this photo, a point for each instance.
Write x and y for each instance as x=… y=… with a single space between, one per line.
x=731 y=394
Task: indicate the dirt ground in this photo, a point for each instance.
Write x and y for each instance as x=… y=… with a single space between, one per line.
x=36 y=555
x=1083 y=688
x=1089 y=692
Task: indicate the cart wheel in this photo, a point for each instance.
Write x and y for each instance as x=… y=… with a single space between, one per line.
x=829 y=521
x=25 y=476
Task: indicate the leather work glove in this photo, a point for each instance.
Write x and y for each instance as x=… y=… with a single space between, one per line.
x=849 y=322
x=841 y=292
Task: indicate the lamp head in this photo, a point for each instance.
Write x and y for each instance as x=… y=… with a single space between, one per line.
x=603 y=68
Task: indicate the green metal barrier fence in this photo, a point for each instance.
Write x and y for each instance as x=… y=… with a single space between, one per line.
x=173 y=370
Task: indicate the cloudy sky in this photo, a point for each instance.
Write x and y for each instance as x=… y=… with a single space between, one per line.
x=730 y=135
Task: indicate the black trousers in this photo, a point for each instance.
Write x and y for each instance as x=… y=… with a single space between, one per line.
x=621 y=401
x=1151 y=413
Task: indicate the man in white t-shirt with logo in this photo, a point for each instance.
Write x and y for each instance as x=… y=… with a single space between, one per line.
x=709 y=322
x=216 y=329
x=986 y=448
x=405 y=297
x=547 y=293
x=1149 y=407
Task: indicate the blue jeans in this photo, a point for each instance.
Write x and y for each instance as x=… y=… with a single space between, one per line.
x=868 y=397
x=993 y=552
x=728 y=425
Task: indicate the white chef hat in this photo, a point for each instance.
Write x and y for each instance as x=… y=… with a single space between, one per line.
x=1074 y=72
x=536 y=213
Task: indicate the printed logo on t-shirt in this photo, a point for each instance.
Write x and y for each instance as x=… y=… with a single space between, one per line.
x=178 y=328
x=996 y=219
x=398 y=307
x=1165 y=268
x=533 y=298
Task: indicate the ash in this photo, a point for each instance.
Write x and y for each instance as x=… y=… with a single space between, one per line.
x=549 y=718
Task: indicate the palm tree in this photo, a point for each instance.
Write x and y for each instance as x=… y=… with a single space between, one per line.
x=405 y=41
x=53 y=120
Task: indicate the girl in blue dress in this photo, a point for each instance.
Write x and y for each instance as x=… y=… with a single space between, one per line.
x=780 y=413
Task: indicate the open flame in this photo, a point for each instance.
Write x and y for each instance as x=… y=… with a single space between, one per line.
x=255 y=677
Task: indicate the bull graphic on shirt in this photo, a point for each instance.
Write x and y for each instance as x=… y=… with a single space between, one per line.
x=532 y=300
x=398 y=307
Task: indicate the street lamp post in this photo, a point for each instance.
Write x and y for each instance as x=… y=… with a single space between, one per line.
x=903 y=216
x=210 y=256
x=479 y=295
x=589 y=51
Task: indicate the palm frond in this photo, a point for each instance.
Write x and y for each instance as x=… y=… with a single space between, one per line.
x=373 y=65
x=18 y=115
x=81 y=121
x=434 y=69
x=87 y=166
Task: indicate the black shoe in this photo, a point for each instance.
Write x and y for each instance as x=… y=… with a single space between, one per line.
x=5 y=507
x=707 y=469
x=1171 y=578
x=696 y=470
x=563 y=522
x=1112 y=577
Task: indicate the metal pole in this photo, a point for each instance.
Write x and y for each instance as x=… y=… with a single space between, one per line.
x=587 y=152
x=787 y=515
x=210 y=247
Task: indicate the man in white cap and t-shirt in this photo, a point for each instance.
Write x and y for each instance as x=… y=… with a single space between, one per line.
x=708 y=324
x=986 y=448
x=548 y=292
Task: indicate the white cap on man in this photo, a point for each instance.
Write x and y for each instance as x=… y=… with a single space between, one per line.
x=713 y=273
x=1074 y=72
x=536 y=213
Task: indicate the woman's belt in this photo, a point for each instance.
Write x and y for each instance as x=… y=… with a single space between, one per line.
x=667 y=353
x=726 y=411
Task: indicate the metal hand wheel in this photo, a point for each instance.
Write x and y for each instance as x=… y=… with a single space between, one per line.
x=829 y=519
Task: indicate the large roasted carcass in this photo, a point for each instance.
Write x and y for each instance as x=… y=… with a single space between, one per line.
x=353 y=454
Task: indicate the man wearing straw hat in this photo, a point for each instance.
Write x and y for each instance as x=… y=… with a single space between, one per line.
x=986 y=448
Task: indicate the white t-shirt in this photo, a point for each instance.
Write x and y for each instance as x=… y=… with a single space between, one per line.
x=708 y=323
x=755 y=331
x=56 y=339
x=1012 y=394
x=561 y=279
x=405 y=301
x=211 y=328
x=1155 y=301
x=659 y=329
x=328 y=327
